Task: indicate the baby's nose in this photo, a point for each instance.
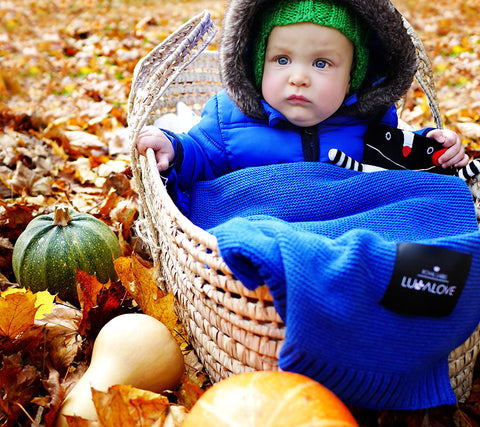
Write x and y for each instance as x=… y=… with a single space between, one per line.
x=299 y=78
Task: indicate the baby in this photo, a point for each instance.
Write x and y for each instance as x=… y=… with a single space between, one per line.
x=310 y=61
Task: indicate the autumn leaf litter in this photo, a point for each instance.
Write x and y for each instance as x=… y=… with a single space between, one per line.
x=65 y=76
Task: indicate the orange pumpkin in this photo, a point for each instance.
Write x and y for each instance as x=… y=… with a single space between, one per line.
x=269 y=398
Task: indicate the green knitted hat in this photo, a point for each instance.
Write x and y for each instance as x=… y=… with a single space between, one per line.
x=327 y=13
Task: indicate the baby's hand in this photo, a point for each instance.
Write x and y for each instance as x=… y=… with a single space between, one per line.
x=152 y=137
x=455 y=154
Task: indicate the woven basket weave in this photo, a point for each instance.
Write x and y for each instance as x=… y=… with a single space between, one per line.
x=232 y=329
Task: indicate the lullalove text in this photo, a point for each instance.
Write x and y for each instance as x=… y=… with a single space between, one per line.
x=432 y=287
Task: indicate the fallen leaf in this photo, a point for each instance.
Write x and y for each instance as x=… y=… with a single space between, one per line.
x=80 y=422
x=129 y=407
x=19 y=384
x=141 y=283
x=18 y=313
x=56 y=395
x=43 y=300
x=100 y=303
x=29 y=181
x=175 y=416
x=190 y=391
x=63 y=341
x=469 y=130
x=82 y=140
x=88 y=289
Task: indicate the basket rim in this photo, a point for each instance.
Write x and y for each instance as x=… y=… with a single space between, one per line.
x=461 y=360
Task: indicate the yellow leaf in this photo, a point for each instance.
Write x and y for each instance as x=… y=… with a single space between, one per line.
x=440 y=68
x=34 y=70
x=164 y=311
x=18 y=313
x=129 y=407
x=44 y=301
x=141 y=283
x=462 y=81
x=11 y=24
x=123 y=268
x=190 y=390
x=10 y=291
x=85 y=70
x=69 y=88
x=458 y=49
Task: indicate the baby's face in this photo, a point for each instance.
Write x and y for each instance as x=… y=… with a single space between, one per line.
x=307 y=72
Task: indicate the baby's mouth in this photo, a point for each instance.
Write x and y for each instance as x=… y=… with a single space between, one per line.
x=297 y=99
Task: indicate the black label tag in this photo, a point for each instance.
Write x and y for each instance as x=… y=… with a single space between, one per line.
x=426 y=280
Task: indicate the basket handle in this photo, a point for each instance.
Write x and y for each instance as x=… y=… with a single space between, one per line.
x=158 y=69
x=424 y=75
x=152 y=76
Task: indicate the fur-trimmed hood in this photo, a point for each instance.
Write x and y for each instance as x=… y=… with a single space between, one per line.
x=392 y=57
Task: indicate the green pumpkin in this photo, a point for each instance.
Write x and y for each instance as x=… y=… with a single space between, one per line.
x=51 y=248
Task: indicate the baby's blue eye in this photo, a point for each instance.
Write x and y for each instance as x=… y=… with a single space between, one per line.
x=320 y=63
x=282 y=60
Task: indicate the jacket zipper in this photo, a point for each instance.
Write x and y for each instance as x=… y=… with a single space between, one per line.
x=310 y=144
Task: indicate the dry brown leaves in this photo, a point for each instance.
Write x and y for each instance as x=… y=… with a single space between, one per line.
x=46 y=347
x=450 y=32
x=66 y=69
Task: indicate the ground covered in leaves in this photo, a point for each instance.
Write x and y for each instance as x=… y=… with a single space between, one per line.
x=66 y=70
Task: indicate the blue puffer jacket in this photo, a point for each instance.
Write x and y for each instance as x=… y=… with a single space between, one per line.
x=226 y=140
x=238 y=129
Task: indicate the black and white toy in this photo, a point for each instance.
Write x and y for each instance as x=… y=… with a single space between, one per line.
x=387 y=147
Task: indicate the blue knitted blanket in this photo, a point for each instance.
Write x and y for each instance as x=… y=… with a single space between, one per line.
x=376 y=275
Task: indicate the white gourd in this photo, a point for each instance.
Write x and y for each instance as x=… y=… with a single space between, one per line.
x=131 y=349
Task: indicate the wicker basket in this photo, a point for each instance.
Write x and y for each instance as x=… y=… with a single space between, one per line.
x=232 y=329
